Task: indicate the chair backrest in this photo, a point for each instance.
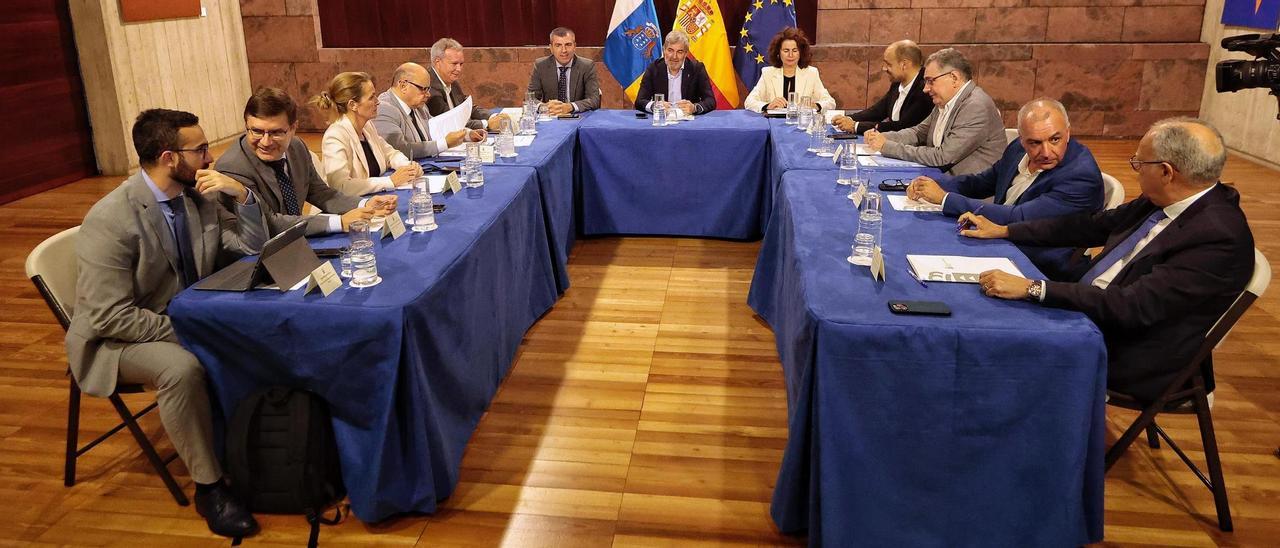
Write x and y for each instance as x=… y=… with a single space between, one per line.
x=1257 y=286
x=52 y=267
x=1010 y=135
x=1112 y=192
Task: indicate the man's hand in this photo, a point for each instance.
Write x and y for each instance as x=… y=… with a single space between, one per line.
x=557 y=108
x=777 y=102
x=686 y=106
x=383 y=204
x=973 y=225
x=209 y=182
x=405 y=174
x=1003 y=285
x=476 y=136
x=925 y=189
x=360 y=213
x=875 y=140
x=497 y=120
x=844 y=123
x=455 y=138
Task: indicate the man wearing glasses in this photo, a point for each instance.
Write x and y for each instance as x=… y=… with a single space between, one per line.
x=964 y=134
x=270 y=160
x=170 y=224
x=1174 y=258
x=402 y=116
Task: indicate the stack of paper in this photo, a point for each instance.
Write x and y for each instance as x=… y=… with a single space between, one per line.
x=901 y=202
x=952 y=268
x=450 y=121
x=881 y=161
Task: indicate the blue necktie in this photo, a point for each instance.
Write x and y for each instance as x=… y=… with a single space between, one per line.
x=1123 y=249
x=182 y=240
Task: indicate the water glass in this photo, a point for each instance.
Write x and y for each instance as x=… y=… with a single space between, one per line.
x=344 y=263
x=505 y=143
x=544 y=113
x=848 y=166
x=376 y=223
x=364 y=265
x=827 y=145
x=793 y=109
x=472 y=176
x=528 y=123
x=358 y=231
x=867 y=238
x=816 y=133
x=421 y=207
x=659 y=110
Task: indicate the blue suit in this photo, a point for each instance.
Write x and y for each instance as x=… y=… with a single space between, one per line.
x=1073 y=186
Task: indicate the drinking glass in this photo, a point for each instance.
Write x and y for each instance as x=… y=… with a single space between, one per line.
x=364 y=265
x=868 y=235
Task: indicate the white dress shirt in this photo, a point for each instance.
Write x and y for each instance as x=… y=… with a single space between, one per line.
x=1021 y=182
x=674 y=82
x=944 y=115
x=441 y=144
x=903 y=89
x=1172 y=211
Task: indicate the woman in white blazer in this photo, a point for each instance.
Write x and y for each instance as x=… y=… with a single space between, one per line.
x=789 y=53
x=354 y=160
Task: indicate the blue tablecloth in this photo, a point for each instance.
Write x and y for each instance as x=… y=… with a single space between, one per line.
x=407 y=366
x=705 y=177
x=985 y=428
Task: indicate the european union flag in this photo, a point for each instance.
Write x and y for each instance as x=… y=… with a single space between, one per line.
x=764 y=19
x=1258 y=14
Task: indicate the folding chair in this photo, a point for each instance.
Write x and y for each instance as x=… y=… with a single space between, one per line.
x=1177 y=399
x=52 y=268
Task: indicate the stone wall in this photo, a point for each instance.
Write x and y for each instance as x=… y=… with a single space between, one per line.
x=1118 y=65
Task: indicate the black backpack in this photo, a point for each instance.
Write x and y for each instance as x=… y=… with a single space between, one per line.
x=282 y=457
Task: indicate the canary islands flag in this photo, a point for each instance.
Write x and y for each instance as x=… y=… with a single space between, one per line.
x=703 y=21
x=764 y=19
x=1258 y=14
x=632 y=42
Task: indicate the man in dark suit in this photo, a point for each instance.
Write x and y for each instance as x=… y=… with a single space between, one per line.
x=1045 y=173
x=1174 y=259
x=446 y=92
x=683 y=82
x=565 y=81
x=905 y=105
x=170 y=224
x=277 y=166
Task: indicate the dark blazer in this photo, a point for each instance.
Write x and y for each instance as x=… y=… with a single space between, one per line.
x=1154 y=315
x=584 y=85
x=240 y=163
x=1073 y=186
x=695 y=85
x=438 y=105
x=914 y=110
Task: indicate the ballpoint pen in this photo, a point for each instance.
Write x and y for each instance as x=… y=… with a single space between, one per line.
x=976 y=211
x=911 y=270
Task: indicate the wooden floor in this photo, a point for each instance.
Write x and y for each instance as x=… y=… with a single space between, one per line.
x=647 y=408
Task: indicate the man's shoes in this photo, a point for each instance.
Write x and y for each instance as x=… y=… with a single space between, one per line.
x=224 y=514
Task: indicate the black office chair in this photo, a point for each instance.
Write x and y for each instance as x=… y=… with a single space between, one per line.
x=52 y=268
x=1177 y=399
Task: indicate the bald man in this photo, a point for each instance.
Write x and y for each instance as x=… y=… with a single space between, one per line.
x=402 y=116
x=905 y=104
x=1044 y=173
x=1175 y=258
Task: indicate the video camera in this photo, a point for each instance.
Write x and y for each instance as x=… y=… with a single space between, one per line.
x=1264 y=72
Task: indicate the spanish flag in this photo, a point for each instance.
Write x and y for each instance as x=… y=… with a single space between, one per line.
x=709 y=44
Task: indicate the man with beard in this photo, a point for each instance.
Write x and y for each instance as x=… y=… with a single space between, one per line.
x=905 y=104
x=162 y=230
x=1044 y=173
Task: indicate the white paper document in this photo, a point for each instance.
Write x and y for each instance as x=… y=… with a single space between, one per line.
x=460 y=151
x=881 y=161
x=513 y=112
x=901 y=202
x=777 y=112
x=953 y=268
x=524 y=140
x=450 y=121
x=435 y=184
x=864 y=150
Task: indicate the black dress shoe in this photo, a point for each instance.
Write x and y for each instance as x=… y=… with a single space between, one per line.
x=224 y=514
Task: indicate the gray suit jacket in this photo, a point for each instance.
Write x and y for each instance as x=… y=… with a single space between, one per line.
x=584 y=86
x=438 y=105
x=240 y=163
x=972 y=142
x=128 y=272
x=397 y=129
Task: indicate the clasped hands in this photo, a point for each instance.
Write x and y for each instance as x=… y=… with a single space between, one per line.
x=683 y=104
x=382 y=204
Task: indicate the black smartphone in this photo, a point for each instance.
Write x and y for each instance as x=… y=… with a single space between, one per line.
x=328 y=252
x=895 y=184
x=844 y=136
x=437 y=208
x=926 y=308
x=641 y=115
x=569 y=116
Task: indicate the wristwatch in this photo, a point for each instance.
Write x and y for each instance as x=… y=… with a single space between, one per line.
x=1035 y=291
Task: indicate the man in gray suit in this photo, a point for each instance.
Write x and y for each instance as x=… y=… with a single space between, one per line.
x=964 y=134
x=402 y=116
x=563 y=80
x=446 y=92
x=276 y=165
x=166 y=227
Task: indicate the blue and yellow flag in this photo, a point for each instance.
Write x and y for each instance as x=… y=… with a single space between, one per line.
x=632 y=42
x=1258 y=14
x=764 y=19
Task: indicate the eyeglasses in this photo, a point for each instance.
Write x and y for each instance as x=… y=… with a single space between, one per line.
x=274 y=134
x=929 y=81
x=420 y=88
x=1137 y=164
x=201 y=150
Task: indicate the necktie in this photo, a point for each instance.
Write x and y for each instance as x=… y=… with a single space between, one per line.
x=291 y=206
x=182 y=240
x=562 y=87
x=417 y=127
x=1122 y=249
